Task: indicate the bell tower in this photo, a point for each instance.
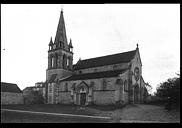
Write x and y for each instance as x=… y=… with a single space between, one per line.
x=60 y=53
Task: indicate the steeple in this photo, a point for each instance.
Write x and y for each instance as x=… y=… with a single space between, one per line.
x=50 y=43
x=70 y=44
x=61 y=31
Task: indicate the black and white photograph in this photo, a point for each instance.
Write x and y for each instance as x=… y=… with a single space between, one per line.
x=90 y=63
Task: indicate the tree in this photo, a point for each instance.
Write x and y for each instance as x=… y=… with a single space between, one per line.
x=169 y=91
x=148 y=87
x=34 y=97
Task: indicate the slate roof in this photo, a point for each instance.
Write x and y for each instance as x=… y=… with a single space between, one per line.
x=10 y=87
x=95 y=75
x=105 y=60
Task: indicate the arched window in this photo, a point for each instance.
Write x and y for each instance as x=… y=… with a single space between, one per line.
x=67 y=63
x=119 y=81
x=52 y=61
x=73 y=86
x=58 y=65
x=56 y=59
x=125 y=85
x=92 y=83
x=66 y=87
x=64 y=61
x=71 y=49
x=104 y=84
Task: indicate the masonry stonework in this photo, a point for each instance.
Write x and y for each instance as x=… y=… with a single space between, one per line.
x=102 y=80
x=11 y=98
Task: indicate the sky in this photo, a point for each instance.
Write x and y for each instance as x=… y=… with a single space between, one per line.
x=95 y=30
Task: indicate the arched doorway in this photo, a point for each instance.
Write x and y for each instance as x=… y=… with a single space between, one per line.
x=82 y=94
x=136 y=93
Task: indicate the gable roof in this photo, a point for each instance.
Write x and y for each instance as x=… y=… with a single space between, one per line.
x=10 y=87
x=95 y=75
x=105 y=60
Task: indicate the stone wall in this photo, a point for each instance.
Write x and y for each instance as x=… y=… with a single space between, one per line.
x=126 y=96
x=109 y=95
x=136 y=62
x=50 y=93
x=104 y=97
x=97 y=83
x=65 y=98
x=61 y=73
x=142 y=90
x=11 y=98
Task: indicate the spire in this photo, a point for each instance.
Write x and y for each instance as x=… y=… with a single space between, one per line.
x=50 y=43
x=70 y=44
x=61 y=31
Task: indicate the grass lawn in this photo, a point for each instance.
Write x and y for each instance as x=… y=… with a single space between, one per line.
x=14 y=117
x=67 y=109
x=138 y=112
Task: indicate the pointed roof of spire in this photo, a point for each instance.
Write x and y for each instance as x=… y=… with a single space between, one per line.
x=50 y=43
x=70 y=44
x=61 y=30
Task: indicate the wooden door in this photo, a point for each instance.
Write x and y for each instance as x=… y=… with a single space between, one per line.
x=82 y=98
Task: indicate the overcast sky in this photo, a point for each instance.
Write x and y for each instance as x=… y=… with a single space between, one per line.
x=95 y=30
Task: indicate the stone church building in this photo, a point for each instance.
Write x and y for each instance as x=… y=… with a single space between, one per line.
x=110 y=79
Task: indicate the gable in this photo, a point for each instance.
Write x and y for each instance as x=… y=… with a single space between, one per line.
x=136 y=68
x=105 y=60
x=137 y=55
x=9 y=87
x=82 y=84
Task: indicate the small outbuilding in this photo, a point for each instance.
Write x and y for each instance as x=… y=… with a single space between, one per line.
x=11 y=94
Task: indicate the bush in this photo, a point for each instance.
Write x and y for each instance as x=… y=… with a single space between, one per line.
x=33 y=98
x=169 y=92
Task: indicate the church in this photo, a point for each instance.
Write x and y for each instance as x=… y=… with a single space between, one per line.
x=105 y=80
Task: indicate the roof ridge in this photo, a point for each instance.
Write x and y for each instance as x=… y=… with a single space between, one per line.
x=108 y=55
x=117 y=58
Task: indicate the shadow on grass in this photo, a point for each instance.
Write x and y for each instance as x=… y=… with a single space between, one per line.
x=13 y=117
x=61 y=107
x=106 y=107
